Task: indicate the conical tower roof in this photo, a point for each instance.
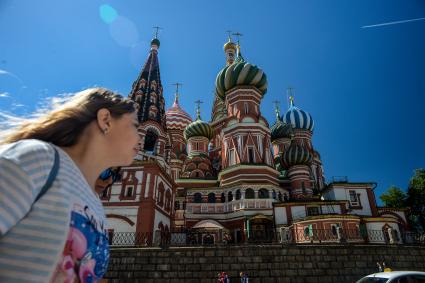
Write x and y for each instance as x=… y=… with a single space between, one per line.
x=147 y=89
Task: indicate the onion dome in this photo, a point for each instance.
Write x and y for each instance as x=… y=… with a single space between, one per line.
x=240 y=73
x=229 y=45
x=198 y=128
x=299 y=119
x=155 y=41
x=280 y=129
x=296 y=155
x=176 y=117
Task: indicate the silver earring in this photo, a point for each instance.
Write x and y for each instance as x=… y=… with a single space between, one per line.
x=105 y=131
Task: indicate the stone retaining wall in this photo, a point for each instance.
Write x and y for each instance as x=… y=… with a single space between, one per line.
x=271 y=263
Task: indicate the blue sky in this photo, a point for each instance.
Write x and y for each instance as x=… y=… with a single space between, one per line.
x=365 y=87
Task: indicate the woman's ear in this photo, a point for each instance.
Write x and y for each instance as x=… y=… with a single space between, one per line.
x=104 y=120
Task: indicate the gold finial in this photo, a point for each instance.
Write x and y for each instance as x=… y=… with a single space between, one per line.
x=177 y=91
x=291 y=96
x=238 y=44
x=156 y=31
x=229 y=44
x=229 y=36
x=277 y=110
x=198 y=109
x=238 y=35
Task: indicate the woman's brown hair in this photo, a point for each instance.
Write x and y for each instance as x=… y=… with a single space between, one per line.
x=64 y=125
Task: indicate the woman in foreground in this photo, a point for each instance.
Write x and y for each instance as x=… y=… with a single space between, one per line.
x=52 y=223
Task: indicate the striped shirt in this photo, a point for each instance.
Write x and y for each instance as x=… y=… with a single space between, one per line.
x=60 y=237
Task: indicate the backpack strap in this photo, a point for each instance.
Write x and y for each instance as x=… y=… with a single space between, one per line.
x=52 y=176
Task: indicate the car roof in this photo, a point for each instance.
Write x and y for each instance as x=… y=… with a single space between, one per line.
x=393 y=274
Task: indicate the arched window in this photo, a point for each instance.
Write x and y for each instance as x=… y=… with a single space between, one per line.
x=263 y=193
x=197 y=198
x=238 y=194
x=223 y=198
x=176 y=205
x=153 y=98
x=334 y=228
x=274 y=194
x=150 y=141
x=249 y=194
x=168 y=201
x=159 y=200
x=211 y=198
x=142 y=83
x=161 y=194
x=229 y=196
x=152 y=112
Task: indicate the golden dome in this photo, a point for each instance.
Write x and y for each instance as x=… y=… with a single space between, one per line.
x=229 y=45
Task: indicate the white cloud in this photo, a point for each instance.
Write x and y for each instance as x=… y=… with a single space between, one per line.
x=55 y=101
x=8 y=121
x=5 y=115
x=45 y=105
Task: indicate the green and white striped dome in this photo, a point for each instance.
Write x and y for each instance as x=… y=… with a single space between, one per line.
x=240 y=73
x=296 y=155
x=280 y=130
x=198 y=128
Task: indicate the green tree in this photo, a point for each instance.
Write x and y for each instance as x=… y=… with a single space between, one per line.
x=394 y=197
x=416 y=200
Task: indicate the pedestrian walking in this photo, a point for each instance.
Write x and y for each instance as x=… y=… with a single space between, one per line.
x=226 y=278
x=244 y=277
x=223 y=277
x=52 y=223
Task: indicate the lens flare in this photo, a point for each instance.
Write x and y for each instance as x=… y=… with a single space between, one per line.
x=124 y=32
x=107 y=13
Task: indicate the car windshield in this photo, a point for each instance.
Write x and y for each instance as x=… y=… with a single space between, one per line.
x=372 y=280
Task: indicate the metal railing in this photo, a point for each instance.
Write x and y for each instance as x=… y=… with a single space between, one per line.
x=284 y=235
x=227 y=207
x=337 y=235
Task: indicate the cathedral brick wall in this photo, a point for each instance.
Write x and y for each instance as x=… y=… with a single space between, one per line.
x=264 y=264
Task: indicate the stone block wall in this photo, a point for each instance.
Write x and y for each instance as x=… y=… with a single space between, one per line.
x=264 y=264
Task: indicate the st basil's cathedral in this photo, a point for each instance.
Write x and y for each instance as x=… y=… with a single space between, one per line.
x=234 y=178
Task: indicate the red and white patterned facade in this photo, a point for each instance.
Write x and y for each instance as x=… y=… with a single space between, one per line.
x=242 y=182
